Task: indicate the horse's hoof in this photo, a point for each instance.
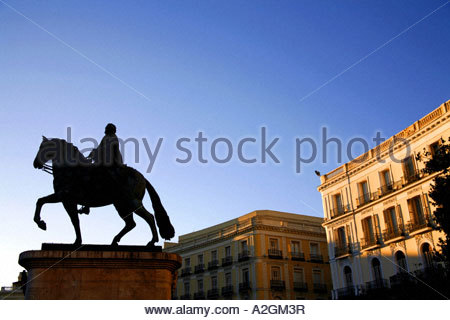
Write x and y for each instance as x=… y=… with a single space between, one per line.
x=150 y=244
x=77 y=243
x=114 y=244
x=41 y=224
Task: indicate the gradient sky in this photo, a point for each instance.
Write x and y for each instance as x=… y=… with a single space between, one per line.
x=169 y=69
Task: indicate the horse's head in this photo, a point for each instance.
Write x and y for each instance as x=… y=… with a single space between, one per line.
x=48 y=150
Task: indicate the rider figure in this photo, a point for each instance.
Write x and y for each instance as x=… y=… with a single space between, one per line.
x=107 y=154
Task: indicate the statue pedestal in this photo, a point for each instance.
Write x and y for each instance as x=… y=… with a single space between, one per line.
x=60 y=271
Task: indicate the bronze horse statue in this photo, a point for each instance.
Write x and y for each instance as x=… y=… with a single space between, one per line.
x=76 y=181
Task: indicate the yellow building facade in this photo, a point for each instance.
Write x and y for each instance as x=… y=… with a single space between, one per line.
x=378 y=214
x=261 y=255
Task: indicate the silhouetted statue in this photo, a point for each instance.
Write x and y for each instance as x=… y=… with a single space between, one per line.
x=107 y=154
x=76 y=181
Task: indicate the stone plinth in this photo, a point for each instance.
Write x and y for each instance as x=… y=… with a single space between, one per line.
x=99 y=272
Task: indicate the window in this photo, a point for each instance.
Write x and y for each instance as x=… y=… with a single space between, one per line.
x=434 y=147
x=376 y=269
x=244 y=247
x=408 y=167
x=245 y=276
x=386 y=183
x=214 y=255
x=401 y=262
x=295 y=247
x=228 y=251
x=363 y=189
x=200 y=285
x=228 y=279
x=275 y=273
x=368 y=229
x=273 y=243
x=314 y=248
x=416 y=211
x=348 y=276
x=187 y=288
x=338 y=207
x=341 y=239
x=317 y=276
x=187 y=262
x=200 y=259
x=214 y=282
x=298 y=275
x=390 y=219
x=426 y=255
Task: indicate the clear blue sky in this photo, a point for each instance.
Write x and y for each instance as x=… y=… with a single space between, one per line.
x=222 y=67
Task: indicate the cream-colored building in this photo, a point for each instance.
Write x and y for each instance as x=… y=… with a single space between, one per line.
x=378 y=214
x=261 y=255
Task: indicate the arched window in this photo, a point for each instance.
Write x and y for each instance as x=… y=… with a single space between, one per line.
x=376 y=269
x=401 y=262
x=348 y=276
x=426 y=255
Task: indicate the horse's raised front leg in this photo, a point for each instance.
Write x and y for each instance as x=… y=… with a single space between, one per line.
x=72 y=210
x=52 y=198
x=148 y=217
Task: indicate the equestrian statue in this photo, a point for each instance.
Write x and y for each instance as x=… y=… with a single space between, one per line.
x=99 y=180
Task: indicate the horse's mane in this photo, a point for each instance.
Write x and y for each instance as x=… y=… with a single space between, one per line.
x=74 y=152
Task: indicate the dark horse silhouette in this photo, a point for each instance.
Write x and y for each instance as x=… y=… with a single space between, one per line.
x=78 y=182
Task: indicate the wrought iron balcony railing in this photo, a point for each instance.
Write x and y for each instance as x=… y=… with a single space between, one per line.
x=227 y=290
x=392 y=233
x=419 y=224
x=275 y=254
x=315 y=257
x=185 y=271
x=214 y=264
x=199 y=268
x=370 y=241
x=244 y=255
x=227 y=261
x=199 y=295
x=299 y=256
x=213 y=293
x=244 y=286
x=342 y=249
x=277 y=284
x=300 y=286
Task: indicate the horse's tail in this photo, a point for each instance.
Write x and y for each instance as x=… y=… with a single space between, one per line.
x=166 y=229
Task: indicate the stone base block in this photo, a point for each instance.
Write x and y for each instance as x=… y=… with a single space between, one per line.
x=99 y=272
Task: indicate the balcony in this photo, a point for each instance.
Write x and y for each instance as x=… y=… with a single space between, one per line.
x=186 y=296
x=244 y=255
x=392 y=233
x=185 y=272
x=214 y=264
x=364 y=199
x=386 y=189
x=371 y=241
x=277 y=284
x=377 y=284
x=412 y=177
x=315 y=257
x=339 y=211
x=227 y=261
x=346 y=293
x=342 y=250
x=275 y=254
x=300 y=286
x=320 y=287
x=213 y=293
x=419 y=224
x=227 y=291
x=199 y=295
x=199 y=268
x=244 y=286
x=298 y=256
